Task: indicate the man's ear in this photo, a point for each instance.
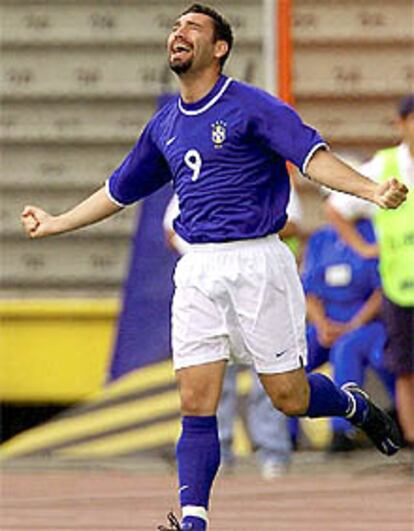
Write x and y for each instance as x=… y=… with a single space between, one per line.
x=220 y=49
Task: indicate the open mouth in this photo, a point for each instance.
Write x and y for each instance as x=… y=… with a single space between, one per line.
x=180 y=49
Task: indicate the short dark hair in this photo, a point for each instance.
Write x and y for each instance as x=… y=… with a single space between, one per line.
x=222 y=29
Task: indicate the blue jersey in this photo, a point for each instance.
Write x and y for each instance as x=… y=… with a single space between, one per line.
x=226 y=155
x=337 y=274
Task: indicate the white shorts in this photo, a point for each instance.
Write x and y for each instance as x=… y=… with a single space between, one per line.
x=240 y=299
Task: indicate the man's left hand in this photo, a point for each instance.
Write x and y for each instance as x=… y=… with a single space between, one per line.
x=390 y=194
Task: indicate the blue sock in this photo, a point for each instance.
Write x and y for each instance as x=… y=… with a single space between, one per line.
x=328 y=400
x=198 y=459
x=192 y=523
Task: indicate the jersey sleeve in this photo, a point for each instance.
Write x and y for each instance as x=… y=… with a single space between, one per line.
x=143 y=171
x=280 y=128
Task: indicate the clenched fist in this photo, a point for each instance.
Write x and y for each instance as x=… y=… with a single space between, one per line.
x=37 y=223
x=390 y=194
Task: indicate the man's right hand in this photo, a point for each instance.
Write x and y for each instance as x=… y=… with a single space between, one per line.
x=37 y=223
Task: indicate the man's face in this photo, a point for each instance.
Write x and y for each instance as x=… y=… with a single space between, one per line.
x=406 y=127
x=191 y=43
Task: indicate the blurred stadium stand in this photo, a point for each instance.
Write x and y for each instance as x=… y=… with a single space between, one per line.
x=79 y=81
x=353 y=62
x=79 y=78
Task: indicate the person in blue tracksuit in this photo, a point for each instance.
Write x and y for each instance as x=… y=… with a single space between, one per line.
x=343 y=297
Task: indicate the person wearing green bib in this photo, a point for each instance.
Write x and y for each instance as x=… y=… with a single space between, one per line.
x=395 y=231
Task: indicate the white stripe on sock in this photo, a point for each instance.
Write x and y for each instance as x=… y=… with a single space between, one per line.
x=353 y=405
x=195 y=510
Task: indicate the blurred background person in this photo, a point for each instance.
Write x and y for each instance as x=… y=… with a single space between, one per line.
x=295 y=233
x=395 y=231
x=343 y=296
x=267 y=427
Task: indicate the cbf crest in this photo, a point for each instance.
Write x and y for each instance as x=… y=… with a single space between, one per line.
x=218 y=133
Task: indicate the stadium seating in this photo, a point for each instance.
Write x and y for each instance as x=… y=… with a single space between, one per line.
x=353 y=61
x=79 y=80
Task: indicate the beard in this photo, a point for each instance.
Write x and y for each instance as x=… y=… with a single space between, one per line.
x=181 y=68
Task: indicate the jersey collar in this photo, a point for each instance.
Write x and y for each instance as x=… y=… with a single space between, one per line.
x=200 y=106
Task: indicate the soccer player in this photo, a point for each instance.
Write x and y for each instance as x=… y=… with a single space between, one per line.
x=224 y=145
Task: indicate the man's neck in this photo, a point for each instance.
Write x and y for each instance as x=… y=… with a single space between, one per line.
x=194 y=86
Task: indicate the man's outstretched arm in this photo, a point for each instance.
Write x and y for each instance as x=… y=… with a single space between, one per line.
x=37 y=223
x=326 y=169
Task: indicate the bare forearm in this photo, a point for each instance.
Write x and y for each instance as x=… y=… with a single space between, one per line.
x=326 y=169
x=349 y=233
x=369 y=311
x=93 y=209
x=315 y=310
x=38 y=224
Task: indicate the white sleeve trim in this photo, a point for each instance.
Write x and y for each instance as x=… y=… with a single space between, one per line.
x=111 y=197
x=313 y=150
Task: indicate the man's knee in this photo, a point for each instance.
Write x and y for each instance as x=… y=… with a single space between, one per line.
x=290 y=395
x=193 y=401
x=200 y=388
x=291 y=402
x=198 y=400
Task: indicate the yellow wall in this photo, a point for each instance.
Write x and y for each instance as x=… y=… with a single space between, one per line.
x=54 y=350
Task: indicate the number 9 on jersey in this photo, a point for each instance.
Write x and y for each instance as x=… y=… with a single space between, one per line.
x=193 y=160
